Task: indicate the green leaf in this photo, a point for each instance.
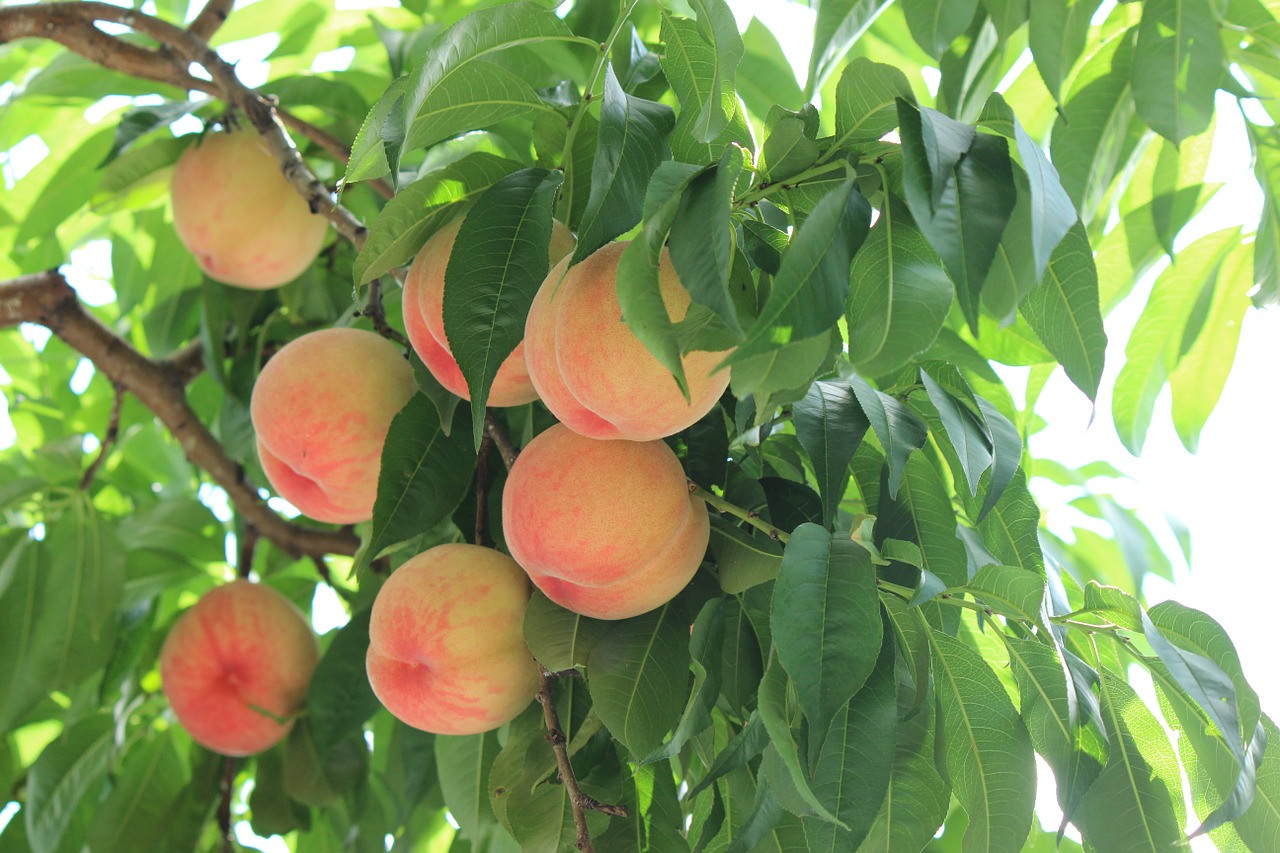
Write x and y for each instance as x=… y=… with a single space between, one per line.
x=854 y=768
x=135 y=814
x=1266 y=246
x=964 y=428
x=1057 y=36
x=1052 y=213
x=838 y=25
x=1012 y=529
x=719 y=30
x=1156 y=343
x=808 y=295
x=137 y=177
x=899 y=294
x=899 y=429
x=706 y=642
x=702 y=236
x=654 y=819
x=1065 y=315
x=986 y=748
x=766 y=78
x=560 y=639
x=1131 y=804
x=1010 y=592
x=339 y=698
x=1259 y=827
x=65 y=772
x=743 y=560
x=789 y=147
x=777 y=721
x=463 y=762
x=491 y=282
x=866 y=101
x=830 y=425
x=639 y=271
x=1006 y=452
x=537 y=815
x=426 y=474
x=960 y=189
x=24 y=575
x=936 y=23
x=633 y=141
x=451 y=70
x=1007 y=15
x=368 y=151
x=742 y=748
x=1198 y=380
x=638 y=673
x=830 y=580
x=1177 y=66
x=421 y=208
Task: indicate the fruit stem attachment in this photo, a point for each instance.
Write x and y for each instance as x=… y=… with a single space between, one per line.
x=736 y=511
x=580 y=802
x=506 y=449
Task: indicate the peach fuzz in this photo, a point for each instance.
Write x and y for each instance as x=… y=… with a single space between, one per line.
x=321 y=409
x=607 y=529
x=594 y=374
x=237 y=213
x=446 y=641
x=241 y=655
x=424 y=319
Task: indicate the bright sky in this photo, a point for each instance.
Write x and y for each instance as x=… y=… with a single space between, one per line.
x=1226 y=494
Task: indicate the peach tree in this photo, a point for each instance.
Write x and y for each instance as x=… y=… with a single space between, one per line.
x=783 y=582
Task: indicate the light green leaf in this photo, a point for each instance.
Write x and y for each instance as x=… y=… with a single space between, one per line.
x=986 y=748
x=838 y=25
x=1177 y=66
x=936 y=23
x=1057 y=35
x=719 y=30
x=135 y=814
x=766 y=78
x=866 y=101
x=1011 y=530
x=463 y=762
x=62 y=776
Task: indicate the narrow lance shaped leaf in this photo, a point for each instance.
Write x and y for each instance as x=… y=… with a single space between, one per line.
x=67 y=769
x=136 y=812
x=719 y=29
x=706 y=640
x=1177 y=66
x=830 y=425
x=500 y=260
x=936 y=23
x=830 y=579
x=965 y=430
x=899 y=429
x=808 y=294
x=339 y=698
x=633 y=141
x=838 y=25
x=986 y=748
x=867 y=101
x=702 y=236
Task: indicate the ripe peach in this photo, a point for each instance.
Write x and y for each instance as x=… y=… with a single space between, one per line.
x=594 y=374
x=446 y=641
x=607 y=529
x=241 y=657
x=424 y=319
x=239 y=215
x=321 y=409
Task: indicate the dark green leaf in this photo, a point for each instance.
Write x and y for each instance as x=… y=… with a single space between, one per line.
x=339 y=698
x=702 y=236
x=706 y=642
x=1057 y=37
x=490 y=284
x=633 y=141
x=560 y=639
x=463 y=762
x=743 y=560
x=965 y=430
x=742 y=747
x=866 y=101
x=831 y=580
x=719 y=30
x=830 y=425
x=426 y=474
x=638 y=673
x=776 y=717
x=936 y=23
x=899 y=429
x=66 y=771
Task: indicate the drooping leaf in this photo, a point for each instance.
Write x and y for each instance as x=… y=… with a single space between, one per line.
x=833 y=579
x=339 y=698
x=560 y=639
x=766 y=79
x=1057 y=37
x=67 y=769
x=491 y=282
x=463 y=762
x=702 y=236
x=718 y=29
x=899 y=429
x=830 y=425
x=744 y=560
x=633 y=141
x=135 y=814
x=986 y=748
x=706 y=641
x=838 y=25
x=965 y=430
x=1011 y=529
x=936 y=23
x=426 y=474
x=1177 y=66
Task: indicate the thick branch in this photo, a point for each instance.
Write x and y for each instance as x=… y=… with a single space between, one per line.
x=48 y=300
x=211 y=17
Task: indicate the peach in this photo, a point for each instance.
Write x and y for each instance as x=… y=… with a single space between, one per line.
x=446 y=641
x=594 y=374
x=237 y=213
x=236 y=665
x=321 y=409
x=607 y=529
x=424 y=319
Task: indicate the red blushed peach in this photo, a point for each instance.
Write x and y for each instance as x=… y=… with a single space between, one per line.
x=594 y=374
x=235 y=663
x=424 y=320
x=321 y=409
x=607 y=529
x=446 y=641
x=239 y=215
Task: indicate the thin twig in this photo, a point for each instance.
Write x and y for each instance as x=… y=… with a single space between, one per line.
x=752 y=518
x=506 y=449
x=377 y=314
x=579 y=802
x=47 y=299
x=322 y=568
x=108 y=438
x=224 y=803
x=248 y=546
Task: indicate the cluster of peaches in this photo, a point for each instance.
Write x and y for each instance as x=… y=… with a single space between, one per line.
x=596 y=510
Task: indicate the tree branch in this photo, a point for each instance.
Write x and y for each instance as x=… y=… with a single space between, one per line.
x=211 y=17
x=580 y=802
x=47 y=299
x=506 y=449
